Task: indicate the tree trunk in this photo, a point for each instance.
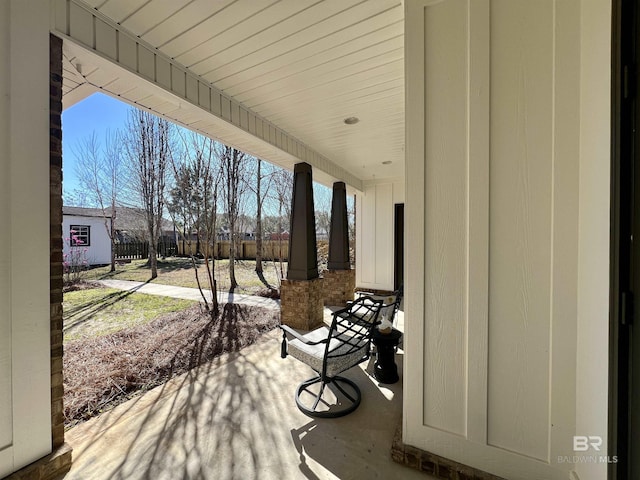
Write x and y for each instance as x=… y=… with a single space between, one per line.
x=112 y=240
x=232 y=262
x=259 y=270
x=153 y=259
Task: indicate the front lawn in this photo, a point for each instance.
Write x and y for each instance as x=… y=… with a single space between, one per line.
x=94 y=312
x=102 y=372
x=179 y=271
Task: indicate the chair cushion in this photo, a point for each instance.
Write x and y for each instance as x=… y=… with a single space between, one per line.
x=312 y=355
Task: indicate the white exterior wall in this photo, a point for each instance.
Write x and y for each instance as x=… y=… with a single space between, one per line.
x=374 y=233
x=25 y=377
x=506 y=157
x=99 y=251
x=592 y=386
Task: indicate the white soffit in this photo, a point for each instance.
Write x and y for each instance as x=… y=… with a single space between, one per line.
x=299 y=66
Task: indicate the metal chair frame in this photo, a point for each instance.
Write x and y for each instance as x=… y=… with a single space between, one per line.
x=346 y=344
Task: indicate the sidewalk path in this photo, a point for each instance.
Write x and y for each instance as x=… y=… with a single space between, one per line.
x=189 y=293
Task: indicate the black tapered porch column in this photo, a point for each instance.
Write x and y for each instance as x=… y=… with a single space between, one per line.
x=339 y=231
x=339 y=279
x=303 y=251
x=301 y=294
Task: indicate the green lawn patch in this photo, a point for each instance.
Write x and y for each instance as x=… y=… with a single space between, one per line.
x=97 y=312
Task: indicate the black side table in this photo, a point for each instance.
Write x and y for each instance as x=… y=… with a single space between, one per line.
x=386 y=370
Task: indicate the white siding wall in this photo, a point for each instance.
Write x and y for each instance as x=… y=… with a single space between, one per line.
x=99 y=251
x=494 y=179
x=374 y=233
x=25 y=378
x=593 y=287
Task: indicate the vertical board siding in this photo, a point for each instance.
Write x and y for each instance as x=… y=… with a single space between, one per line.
x=106 y=40
x=6 y=418
x=367 y=235
x=384 y=234
x=374 y=251
x=500 y=239
x=521 y=133
x=445 y=235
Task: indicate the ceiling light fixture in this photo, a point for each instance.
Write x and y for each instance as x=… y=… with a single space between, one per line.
x=351 y=120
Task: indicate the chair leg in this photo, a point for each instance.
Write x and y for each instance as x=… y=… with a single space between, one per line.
x=346 y=402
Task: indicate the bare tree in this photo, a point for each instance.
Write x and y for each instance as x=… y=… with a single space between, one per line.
x=322 y=198
x=283 y=187
x=147 y=145
x=101 y=174
x=261 y=187
x=78 y=197
x=195 y=197
x=234 y=169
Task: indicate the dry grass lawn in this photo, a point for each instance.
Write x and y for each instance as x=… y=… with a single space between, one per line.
x=179 y=271
x=102 y=372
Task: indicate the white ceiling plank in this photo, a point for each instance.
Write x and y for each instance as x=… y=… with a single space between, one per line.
x=238 y=77
x=202 y=56
x=100 y=77
x=120 y=86
x=293 y=91
x=151 y=15
x=321 y=29
x=183 y=20
x=213 y=26
x=293 y=22
x=95 y=3
x=119 y=10
x=364 y=60
x=344 y=106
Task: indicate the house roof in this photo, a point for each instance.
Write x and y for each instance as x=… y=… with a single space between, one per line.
x=276 y=79
x=84 y=212
x=133 y=219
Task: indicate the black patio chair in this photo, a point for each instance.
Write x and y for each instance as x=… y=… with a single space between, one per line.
x=330 y=351
x=390 y=304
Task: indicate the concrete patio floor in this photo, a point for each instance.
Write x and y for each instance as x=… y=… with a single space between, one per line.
x=236 y=418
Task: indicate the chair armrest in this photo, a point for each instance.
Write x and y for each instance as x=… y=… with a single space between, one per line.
x=293 y=333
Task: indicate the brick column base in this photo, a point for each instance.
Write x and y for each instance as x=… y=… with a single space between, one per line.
x=432 y=464
x=339 y=286
x=52 y=467
x=301 y=303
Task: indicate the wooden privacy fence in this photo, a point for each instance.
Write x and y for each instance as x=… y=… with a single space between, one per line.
x=140 y=250
x=246 y=249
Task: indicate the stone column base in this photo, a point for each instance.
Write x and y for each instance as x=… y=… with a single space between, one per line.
x=301 y=303
x=339 y=286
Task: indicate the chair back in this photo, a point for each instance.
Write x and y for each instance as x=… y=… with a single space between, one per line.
x=350 y=333
x=390 y=304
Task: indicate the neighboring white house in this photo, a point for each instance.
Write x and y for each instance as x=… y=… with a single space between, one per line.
x=91 y=229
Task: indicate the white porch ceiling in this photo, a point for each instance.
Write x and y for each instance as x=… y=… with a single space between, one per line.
x=302 y=65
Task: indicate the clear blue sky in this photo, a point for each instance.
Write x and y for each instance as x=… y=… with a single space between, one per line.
x=97 y=113
x=100 y=113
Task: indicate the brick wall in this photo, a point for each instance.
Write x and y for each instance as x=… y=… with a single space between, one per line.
x=339 y=286
x=438 y=467
x=55 y=195
x=301 y=303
